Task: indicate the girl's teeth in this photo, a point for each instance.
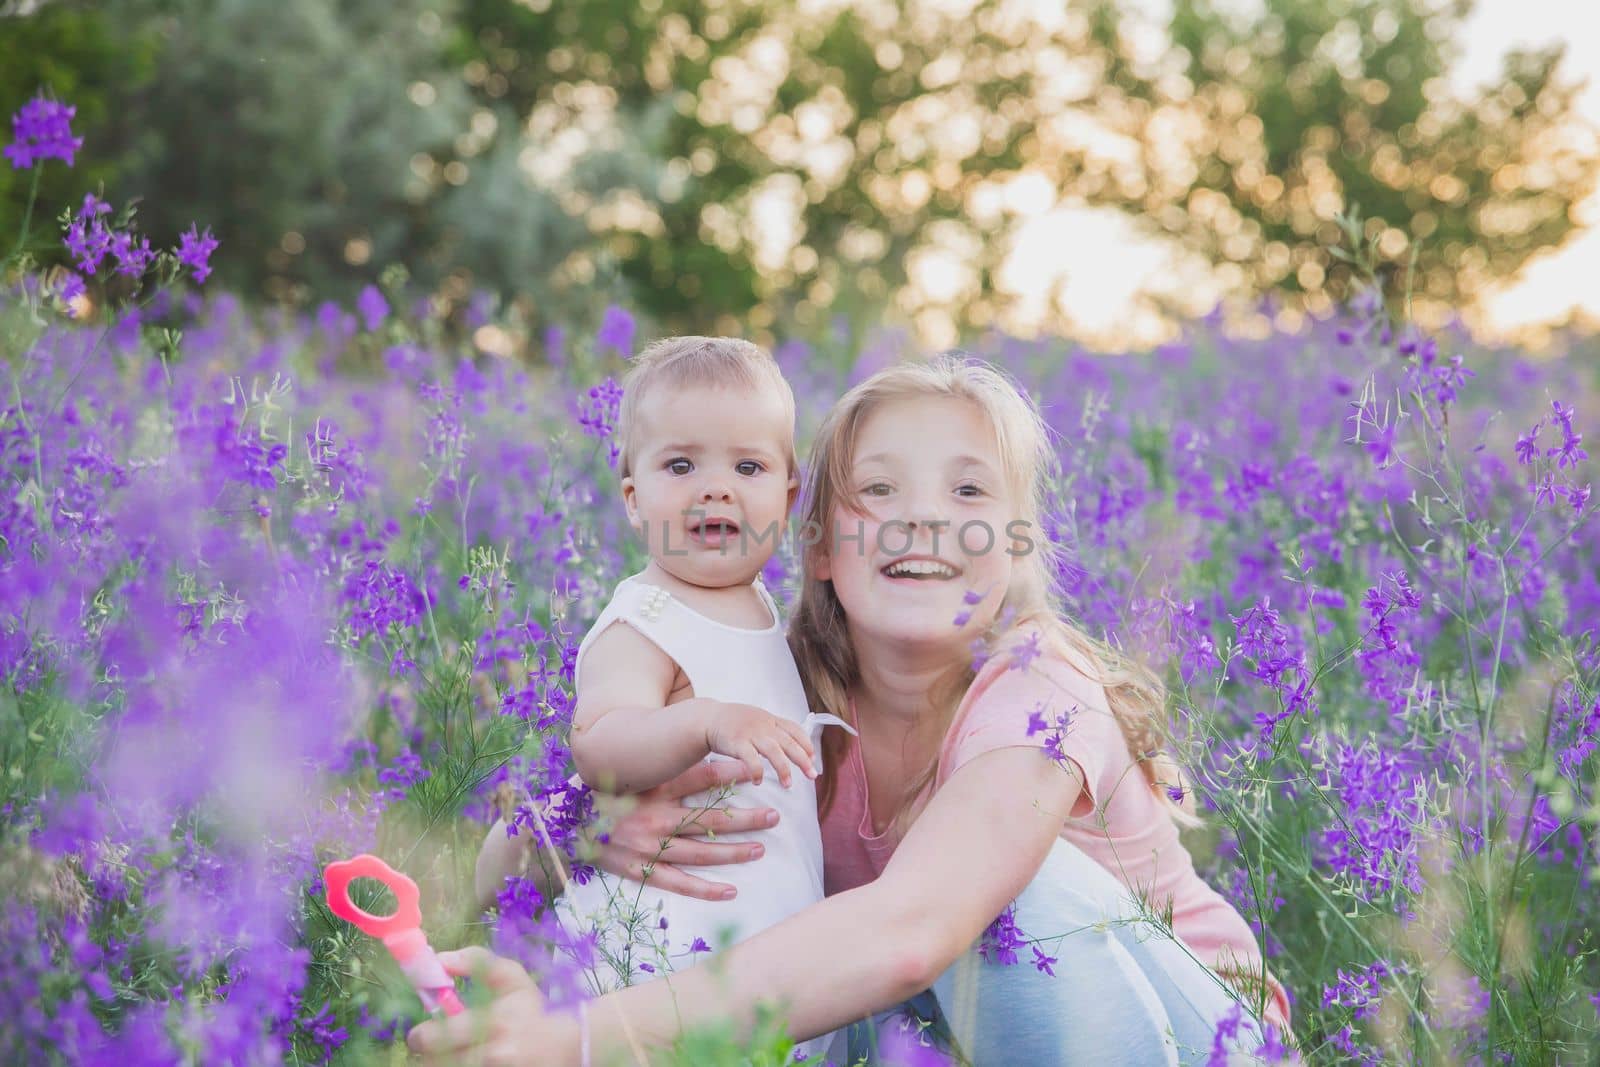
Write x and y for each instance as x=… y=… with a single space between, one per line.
x=919 y=570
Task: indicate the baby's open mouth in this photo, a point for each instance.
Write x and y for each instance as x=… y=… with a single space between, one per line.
x=714 y=528
x=921 y=570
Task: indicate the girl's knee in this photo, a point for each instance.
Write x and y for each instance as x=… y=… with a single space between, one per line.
x=1069 y=883
x=1097 y=1007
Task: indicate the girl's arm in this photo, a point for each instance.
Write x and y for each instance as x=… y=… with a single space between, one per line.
x=981 y=839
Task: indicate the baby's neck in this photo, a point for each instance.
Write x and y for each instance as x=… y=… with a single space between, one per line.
x=738 y=605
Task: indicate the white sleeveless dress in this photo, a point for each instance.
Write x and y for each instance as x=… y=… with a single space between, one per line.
x=642 y=931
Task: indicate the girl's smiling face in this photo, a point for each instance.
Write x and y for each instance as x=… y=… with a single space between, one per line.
x=934 y=504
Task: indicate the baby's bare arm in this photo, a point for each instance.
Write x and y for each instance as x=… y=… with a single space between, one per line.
x=625 y=738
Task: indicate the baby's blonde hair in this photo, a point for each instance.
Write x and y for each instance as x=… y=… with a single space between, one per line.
x=818 y=635
x=698 y=361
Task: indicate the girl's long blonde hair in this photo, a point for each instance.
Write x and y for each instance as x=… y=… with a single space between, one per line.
x=818 y=635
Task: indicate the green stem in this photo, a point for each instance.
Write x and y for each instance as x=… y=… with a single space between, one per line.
x=27 y=214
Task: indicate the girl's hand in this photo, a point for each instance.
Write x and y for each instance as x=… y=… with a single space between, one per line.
x=511 y=1030
x=655 y=831
x=750 y=734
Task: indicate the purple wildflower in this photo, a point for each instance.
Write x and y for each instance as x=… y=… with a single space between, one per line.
x=132 y=259
x=87 y=236
x=1002 y=938
x=69 y=826
x=70 y=286
x=969 y=599
x=1528 y=444
x=617 y=329
x=1460 y=1002
x=1055 y=730
x=599 y=410
x=194 y=251
x=1268 y=643
x=905 y=1043
x=1025 y=652
x=372 y=307
x=1197 y=652
x=1567 y=453
x=380 y=1031
x=404 y=772
x=324 y=1031
x=1389 y=662
x=555 y=346
x=1226 y=1035
x=1360 y=991
x=1448 y=379
x=1574 y=732
x=1381 y=446
x=43 y=130
x=1377 y=842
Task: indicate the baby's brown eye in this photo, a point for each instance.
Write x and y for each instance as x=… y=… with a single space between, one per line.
x=749 y=467
x=679 y=466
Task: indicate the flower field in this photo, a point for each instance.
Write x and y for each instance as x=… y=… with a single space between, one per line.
x=276 y=589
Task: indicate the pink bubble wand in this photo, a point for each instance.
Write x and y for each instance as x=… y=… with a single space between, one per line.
x=400 y=932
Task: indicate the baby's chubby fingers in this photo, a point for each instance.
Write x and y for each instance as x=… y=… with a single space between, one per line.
x=797 y=743
x=799 y=734
x=749 y=754
x=801 y=757
x=783 y=753
x=772 y=749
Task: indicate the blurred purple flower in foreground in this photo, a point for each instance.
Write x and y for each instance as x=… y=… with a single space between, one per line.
x=372 y=307
x=617 y=330
x=194 y=252
x=88 y=237
x=43 y=130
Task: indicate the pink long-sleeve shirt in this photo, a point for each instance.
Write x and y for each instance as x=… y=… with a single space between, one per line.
x=1118 y=821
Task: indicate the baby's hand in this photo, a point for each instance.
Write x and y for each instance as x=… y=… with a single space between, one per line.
x=748 y=734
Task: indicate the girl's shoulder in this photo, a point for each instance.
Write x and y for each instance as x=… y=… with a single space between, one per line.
x=1036 y=649
x=1034 y=690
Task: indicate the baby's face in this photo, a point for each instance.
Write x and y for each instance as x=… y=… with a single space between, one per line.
x=711 y=485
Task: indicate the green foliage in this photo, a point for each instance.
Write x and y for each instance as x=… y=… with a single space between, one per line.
x=77 y=53
x=720 y=1046
x=1309 y=109
x=595 y=151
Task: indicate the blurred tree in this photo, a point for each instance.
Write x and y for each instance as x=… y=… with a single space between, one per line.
x=750 y=160
x=1254 y=130
x=812 y=155
x=319 y=141
x=878 y=139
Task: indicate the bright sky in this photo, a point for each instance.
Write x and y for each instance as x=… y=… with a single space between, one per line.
x=1097 y=268
x=1553 y=283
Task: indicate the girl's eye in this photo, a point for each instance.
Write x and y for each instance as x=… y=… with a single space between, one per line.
x=970 y=490
x=679 y=466
x=877 y=489
x=749 y=467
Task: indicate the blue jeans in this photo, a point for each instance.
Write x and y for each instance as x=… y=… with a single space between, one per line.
x=1124 y=992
